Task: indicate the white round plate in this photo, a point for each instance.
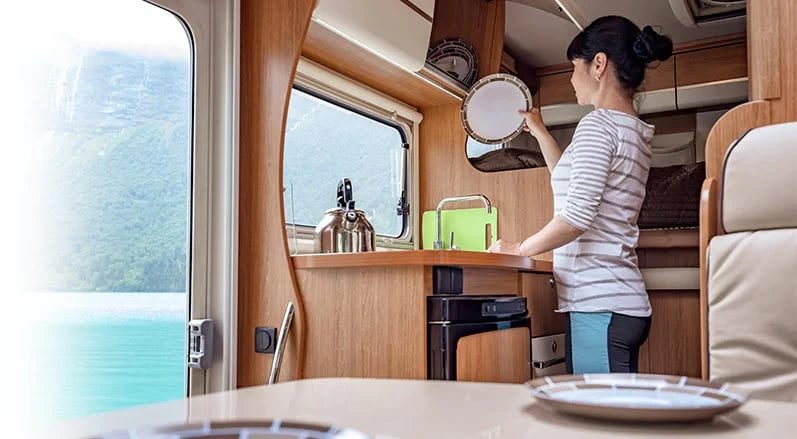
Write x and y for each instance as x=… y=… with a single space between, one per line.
x=636 y=397
x=490 y=110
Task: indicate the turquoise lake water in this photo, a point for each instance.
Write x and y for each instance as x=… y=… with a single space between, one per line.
x=114 y=350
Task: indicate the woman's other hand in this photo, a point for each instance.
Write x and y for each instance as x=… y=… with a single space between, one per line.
x=533 y=122
x=506 y=247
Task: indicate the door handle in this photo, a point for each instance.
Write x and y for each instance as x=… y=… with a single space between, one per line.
x=282 y=339
x=547 y=363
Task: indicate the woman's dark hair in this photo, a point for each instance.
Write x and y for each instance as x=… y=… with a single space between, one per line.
x=628 y=47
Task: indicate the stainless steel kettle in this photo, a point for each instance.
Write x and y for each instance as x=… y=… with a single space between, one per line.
x=344 y=229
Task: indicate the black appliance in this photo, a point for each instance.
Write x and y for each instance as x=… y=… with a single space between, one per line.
x=451 y=317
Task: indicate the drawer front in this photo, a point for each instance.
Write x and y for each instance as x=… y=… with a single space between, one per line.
x=494 y=357
x=548 y=355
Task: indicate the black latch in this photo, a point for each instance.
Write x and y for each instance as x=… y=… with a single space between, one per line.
x=403 y=208
x=265 y=340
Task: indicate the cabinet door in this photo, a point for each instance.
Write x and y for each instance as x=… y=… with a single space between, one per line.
x=540 y=293
x=496 y=356
x=659 y=77
x=556 y=89
x=710 y=65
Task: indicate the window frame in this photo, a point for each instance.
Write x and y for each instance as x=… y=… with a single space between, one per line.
x=404 y=133
x=338 y=90
x=213 y=27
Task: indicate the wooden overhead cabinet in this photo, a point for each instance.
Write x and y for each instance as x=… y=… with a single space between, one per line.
x=713 y=76
x=559 y=104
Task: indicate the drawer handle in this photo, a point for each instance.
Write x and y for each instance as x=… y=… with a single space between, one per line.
x=552 y=282
x=547 y=363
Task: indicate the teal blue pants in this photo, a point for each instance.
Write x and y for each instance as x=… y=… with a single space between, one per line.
x=604 y=342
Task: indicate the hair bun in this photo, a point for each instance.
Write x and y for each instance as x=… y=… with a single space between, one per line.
x=649 y=46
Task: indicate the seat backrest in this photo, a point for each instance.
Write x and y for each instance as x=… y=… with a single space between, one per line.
x=752 y=268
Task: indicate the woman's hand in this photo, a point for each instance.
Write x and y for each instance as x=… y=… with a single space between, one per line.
x=506 y=247
x=533 y=122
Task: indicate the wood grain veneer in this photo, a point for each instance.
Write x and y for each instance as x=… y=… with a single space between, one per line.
x=556 y=89
x=709 y=224
x=709 y=65
x=542 y=302
x=271 y=38
x=673 y=345
x=421 y=258
x=660 y=76
x=497 y=356
x=365 y=322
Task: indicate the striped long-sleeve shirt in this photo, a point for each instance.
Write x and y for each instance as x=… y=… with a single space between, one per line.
x=599 y=186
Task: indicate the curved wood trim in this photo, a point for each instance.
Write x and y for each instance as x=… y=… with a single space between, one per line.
x=422 y=257
x=708 y=229
x=271 y=40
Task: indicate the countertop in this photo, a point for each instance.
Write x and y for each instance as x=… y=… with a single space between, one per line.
x=424 y=409
x=457 y=258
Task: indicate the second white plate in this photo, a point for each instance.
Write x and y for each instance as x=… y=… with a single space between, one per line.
x=636 y=397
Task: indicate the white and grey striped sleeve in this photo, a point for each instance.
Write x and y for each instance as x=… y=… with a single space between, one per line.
x=593 y=146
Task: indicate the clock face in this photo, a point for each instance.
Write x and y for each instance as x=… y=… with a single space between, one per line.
x=457 y=58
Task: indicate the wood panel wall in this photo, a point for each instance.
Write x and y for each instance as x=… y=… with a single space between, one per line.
x=271 y=39
x=672 y=347
x=524 y=198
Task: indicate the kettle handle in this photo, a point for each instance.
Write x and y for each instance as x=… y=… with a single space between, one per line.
x=345 y=194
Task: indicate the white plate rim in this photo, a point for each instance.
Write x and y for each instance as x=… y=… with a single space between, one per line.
x=478 y=85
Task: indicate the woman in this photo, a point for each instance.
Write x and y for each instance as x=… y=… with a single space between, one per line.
x=599 y=185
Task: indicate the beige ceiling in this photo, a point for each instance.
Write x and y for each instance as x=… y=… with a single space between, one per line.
x=535 y=33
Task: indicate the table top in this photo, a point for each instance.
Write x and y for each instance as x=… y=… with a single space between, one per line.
x=422 y=409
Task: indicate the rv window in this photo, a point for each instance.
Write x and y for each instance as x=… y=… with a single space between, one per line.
x=326 y=140
x=97 y=164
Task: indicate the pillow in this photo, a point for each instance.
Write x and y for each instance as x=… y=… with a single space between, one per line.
x=673 y=197
x=507 y=159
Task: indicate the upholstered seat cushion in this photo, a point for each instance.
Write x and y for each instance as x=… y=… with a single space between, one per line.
x=752 y=318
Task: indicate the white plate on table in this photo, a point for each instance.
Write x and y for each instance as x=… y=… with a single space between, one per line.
x=636 y=397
